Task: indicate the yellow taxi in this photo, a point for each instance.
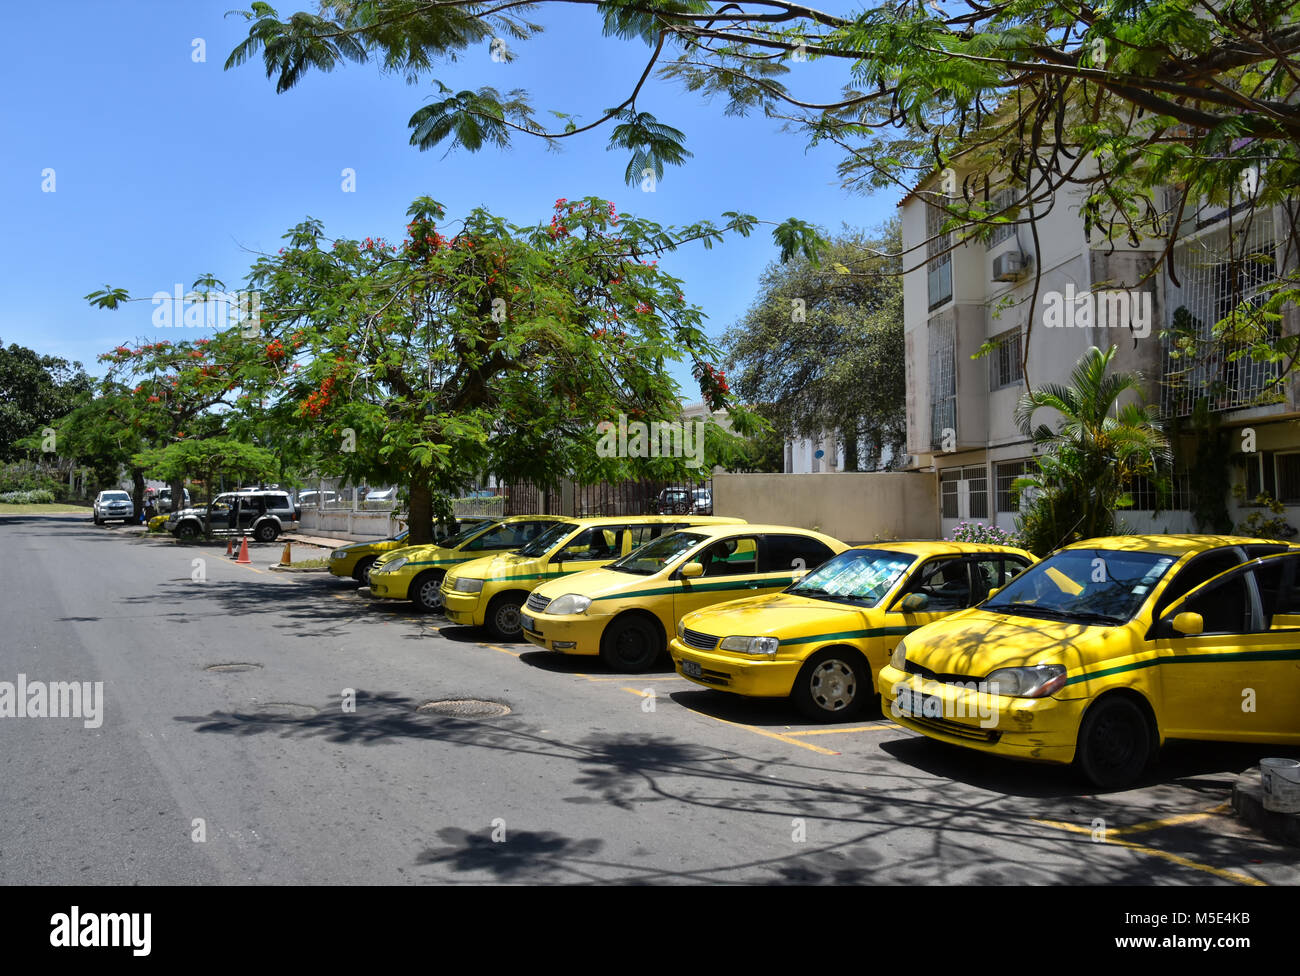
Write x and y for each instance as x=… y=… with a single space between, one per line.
x=415 y=572
x=625 y=611
x=1107 y=648
x=822 y=641
x=356 y=559
x=490 y=592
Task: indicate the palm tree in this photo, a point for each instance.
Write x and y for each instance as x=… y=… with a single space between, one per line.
x=1092 y=457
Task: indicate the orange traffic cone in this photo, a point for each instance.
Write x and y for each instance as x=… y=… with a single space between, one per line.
x=285 y=559
x=230 y=547
x=243 y=552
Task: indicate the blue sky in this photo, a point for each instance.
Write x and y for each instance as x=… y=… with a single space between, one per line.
x=166 y=168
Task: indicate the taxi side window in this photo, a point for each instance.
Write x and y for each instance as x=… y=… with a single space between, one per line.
x=1226 y=607
x=993 y=572
x=1278 y=595
x=1204 y=567
x=595 y=544
x=729 y=557
x=945 y=583
x=786 y=553
x=641 y=534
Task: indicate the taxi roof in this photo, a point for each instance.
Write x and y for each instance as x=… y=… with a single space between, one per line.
x=1179 y=544
x=930 y=547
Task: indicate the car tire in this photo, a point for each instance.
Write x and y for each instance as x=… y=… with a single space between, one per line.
x=266 y=532
x=502 y=620
x=98 y=520
x=187 y=531
x=1115 y=743
x=631 y=644
x=832 y=685
x=361 y=571
x=426 y=591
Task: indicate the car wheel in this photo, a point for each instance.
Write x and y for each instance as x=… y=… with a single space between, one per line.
x=426 y=591
x=187 y=530
x=361 y=571
x=832 y=685
x=631 y=644
x=502 y=620
x=266 y=532
x=98 y=520
x=1115 y=743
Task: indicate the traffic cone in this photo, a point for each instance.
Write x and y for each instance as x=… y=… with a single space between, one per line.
x=285 y=559
x=230 y=547
x=243 y=552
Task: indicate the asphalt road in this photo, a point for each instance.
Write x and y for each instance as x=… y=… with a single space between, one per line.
x=265 y=776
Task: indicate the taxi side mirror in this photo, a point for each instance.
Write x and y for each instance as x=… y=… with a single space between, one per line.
x=993 y=592
x=914 y=601
x=1189 y=624
x=691 y=571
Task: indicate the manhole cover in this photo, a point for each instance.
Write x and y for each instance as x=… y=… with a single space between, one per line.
x=234 y=666
x=464 y=708
x=283 y=710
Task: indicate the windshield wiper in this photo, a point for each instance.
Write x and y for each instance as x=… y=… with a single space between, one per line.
x=1033 y=610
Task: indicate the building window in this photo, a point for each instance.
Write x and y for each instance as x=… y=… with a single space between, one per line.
x=1004 y=361
x=1261 y=477
x=938 y=270
x=1146 y=496
x=964 y=492
x=1001 y=201
x=1288 y=478
x=943 y=383
x=1005 y=475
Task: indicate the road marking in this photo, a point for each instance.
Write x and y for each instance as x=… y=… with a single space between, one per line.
x=1154 y=852
x=855 y=728
x=624 y=678
x=501 y=649
x=1173 y=821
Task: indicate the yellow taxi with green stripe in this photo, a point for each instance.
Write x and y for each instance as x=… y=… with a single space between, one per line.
x=1108 y=648
x=822 y=641
x=415 y=572
x=355 y=560
x=491 y=592
x=625 y=612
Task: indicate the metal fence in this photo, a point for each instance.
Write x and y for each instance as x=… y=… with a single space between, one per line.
x=645 y=497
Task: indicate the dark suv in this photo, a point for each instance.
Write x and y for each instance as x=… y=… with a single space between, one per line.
x=262 y=513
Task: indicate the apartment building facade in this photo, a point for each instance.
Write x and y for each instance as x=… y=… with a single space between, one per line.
x=960 y=295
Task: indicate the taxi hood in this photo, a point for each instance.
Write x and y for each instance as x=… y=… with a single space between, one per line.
x=976 y=642
x=781 y=615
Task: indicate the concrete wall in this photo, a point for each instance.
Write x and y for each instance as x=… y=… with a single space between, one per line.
x=851 y=506
x=361 y=525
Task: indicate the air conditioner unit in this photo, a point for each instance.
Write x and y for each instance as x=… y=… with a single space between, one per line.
x=1009 y=266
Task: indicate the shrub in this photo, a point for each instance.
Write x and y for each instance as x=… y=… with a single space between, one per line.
x=984 y=533
x=39 y=496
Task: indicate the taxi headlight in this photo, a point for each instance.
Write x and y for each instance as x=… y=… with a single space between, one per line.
x=390 y=566
x=1037 y=681
x=750 y=645
x=339 y=554
x=898 y=660
x=467 y=585
x=681 y=628
x=569 y=603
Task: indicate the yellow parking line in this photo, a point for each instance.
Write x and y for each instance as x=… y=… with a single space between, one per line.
x=1174 y=858
x=1173 y=821
x=855 y=728
x=624 y=678
x=771 y=735
x=503 y=650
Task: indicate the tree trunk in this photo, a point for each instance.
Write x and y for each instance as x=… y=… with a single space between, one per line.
x=421 y=523
x=178 y=493
x=850 y=449
x=137 y=479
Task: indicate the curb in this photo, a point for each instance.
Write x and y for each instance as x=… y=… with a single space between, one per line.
x=277 y=568
x=1248 y=804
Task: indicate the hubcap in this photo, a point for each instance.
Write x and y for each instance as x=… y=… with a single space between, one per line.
x=833 y=685
x=430 y=593
x=508 y=618
x=632 y=647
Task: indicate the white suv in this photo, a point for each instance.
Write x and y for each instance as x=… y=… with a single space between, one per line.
x=112 y=505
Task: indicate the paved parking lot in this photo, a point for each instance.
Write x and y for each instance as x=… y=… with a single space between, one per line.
x=313 y=762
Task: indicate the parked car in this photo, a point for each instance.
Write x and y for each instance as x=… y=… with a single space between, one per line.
x=626 y=611
x=264 y=514
x=673 y=501
x=355 y=560
x=1110 y=647
x=491 y=592
x=163 y=500
x=703 y=499
x=822 y=641
x=415 y=572
x=113 y=504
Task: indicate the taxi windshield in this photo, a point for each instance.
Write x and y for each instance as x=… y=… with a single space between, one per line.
x=543 y=543
x=861 y=577
x=464 y=535
x=1100 y=586
x=655 y=555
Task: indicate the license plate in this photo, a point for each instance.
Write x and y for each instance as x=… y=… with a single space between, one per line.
x=918 y=705
x=691 y=669
x=528 y=622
